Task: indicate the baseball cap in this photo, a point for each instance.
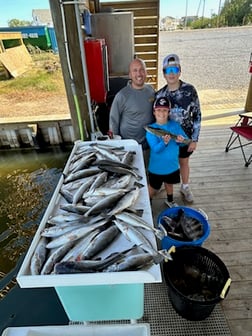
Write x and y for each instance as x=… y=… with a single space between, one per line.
x=171 y=59
x=162 y=102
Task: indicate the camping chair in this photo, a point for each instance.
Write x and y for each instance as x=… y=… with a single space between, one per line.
x=242 y=133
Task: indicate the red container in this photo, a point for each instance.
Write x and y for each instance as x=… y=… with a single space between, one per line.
x=96 y=61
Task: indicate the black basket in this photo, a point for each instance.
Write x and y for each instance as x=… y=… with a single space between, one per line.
x=197 y=280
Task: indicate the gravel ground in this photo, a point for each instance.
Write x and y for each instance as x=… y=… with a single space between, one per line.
x=215 y=61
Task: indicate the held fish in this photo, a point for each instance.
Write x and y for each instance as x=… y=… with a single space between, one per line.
x=160 y=132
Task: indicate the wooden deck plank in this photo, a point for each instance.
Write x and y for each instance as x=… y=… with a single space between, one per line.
x=240 y=258
x=235 y=325
x=230 y=234
x=222 y=188
x=238 y=275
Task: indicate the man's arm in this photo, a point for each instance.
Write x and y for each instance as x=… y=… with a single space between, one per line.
x=115 y=115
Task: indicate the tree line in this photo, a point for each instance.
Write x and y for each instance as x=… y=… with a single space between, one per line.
x=233 y=13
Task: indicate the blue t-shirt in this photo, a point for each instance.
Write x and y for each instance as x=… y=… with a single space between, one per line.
x=164 y=159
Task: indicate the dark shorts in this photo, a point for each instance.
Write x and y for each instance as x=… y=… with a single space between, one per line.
x=156 y=181
x=183 y=153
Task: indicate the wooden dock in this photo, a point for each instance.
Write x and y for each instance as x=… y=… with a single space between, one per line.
x=29 y=133
x=222 y=187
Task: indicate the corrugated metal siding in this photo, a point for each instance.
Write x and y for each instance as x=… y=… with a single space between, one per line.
x=146 y=31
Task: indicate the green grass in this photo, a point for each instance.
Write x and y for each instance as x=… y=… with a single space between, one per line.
x=44 y=76
x=36 y=81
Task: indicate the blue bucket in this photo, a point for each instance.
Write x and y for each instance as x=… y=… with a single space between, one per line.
x=168 y=242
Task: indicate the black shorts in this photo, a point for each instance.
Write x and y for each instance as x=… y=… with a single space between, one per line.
x=156 y=181
x=183 y=153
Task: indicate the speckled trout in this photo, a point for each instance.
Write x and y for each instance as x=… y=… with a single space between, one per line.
x=161 y=132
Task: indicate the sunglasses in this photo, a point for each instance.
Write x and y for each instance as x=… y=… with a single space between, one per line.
x=172 y=70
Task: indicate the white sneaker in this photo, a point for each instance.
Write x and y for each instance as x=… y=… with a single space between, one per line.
x=171 y=204
x=186 y=192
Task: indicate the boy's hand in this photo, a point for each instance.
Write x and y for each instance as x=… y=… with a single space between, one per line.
x=180 y=138
x=192 y=146
x=166 y=138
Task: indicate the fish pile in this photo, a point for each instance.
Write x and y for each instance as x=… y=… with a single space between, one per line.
x=182 y=227
x=95 y=215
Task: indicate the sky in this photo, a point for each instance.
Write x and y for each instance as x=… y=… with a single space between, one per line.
x=22 y=9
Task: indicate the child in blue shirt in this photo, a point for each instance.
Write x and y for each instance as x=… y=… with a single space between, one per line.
x=164 y=151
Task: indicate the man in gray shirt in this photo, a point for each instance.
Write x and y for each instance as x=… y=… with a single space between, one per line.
x=131 y=109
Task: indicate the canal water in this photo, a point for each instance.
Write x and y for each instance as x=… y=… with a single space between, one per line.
x=27 y=182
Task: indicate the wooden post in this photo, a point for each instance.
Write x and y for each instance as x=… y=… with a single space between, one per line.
x=75 y=61
x=248 y=105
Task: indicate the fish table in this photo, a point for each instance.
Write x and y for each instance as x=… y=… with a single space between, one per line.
x=103 y=295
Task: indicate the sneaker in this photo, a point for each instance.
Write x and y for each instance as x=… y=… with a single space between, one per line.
x=171 y=204
x=186 y=192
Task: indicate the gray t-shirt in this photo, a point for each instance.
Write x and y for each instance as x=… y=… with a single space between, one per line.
x=131 y=110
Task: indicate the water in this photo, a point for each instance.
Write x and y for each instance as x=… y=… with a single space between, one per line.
x=27 y=182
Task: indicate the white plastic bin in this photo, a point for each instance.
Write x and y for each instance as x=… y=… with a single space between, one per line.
x=80 y=292
x=141 y=329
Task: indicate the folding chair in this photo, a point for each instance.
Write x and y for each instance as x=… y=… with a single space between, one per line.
x=242 y=133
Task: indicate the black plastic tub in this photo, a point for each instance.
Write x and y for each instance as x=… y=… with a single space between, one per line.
x=197 y=280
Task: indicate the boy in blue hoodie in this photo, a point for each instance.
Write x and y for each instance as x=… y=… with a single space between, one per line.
x=164 y=151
